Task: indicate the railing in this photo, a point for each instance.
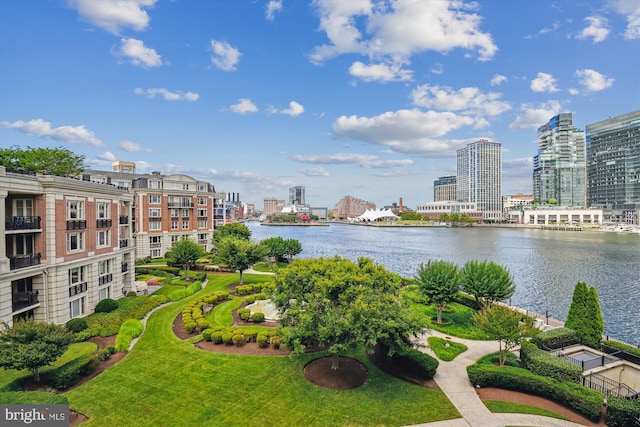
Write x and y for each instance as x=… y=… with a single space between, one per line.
x=124 y=243
x=629 y=357
x=203 y=241
x=124 y=267
x=592 y=363
x=155 y=245
x=23 y=223
x=76 y=289
x=22 y=261
x=608 y=386
x=124 y=219
x=104 y=223
x=76 y=224
x=105 y=279
x=155 y=218
x=180 y=204
x=20 y=300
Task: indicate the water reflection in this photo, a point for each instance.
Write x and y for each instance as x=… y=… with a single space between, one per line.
x=545 y=264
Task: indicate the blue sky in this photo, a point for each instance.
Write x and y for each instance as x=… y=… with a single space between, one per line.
x=361 y=97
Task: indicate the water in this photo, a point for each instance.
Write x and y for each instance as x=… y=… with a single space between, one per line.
x=545 y=264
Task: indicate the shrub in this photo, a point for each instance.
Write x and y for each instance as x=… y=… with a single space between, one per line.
x=227 y=338
x=216 y=337
x=251 y=299
x=262 y=340
x=203 y=324
x=275 y=341
x=244 y=313
x=257 y=317
x=206 y=334
x=238 y=339
x=554 y=338
x=256 y=287
x=106 y=305
x=261 y=296
x=132 y=294
x=421 y=364
x=250 y=336
x=542 y=363
x=104 y=354
x=77 y=324
x=622 y=412
x=183 y=293
x=70 y=373
x=190 y=327
x=129 y=330
x=620 y=346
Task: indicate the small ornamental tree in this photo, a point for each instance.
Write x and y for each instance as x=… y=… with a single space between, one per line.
x=585 y=316
x=292 y=247
x=234 y=229
x=31 y=345
x=486 y=281
x=239 y=254
x=506 y=326
x=438 y=282
x=275 y=249
x=185 y=253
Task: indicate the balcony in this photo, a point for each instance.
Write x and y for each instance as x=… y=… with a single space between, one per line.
x=155 y=245
x=20 y=300
x=124 y=243
x=76 y=289
x=124 y=220
x=180 y=204
x=22 y=223
x=155 y=218
x=105 y=279
x=76 y=224
x=103 y=223
x=124 y=267
x=22 y=261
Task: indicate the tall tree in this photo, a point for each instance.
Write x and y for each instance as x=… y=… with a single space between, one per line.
x=46 y=161
x=486 y=281
x=338 y=304
x=185 y=253
x=239 y=254
x=292 y=247
x=275 y=249
x=438 y=282
x=505 y=325
x=31 y=345
x=234 y=229
x=585 y=316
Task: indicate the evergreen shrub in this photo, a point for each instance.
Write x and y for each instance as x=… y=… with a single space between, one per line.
x=262 y=340
x=622 y=412
x=275 y=341
x=77 y=324
x=227 y=338
x=71 y=372
x=257 y=317
x=106 y=305
x=553 y=338
x=216 y=337
x=250 y=299
x=548 y=365
x=238 y=339
x=206 y=334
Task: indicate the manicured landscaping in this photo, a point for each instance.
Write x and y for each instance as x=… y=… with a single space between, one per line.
x=457 y=321
x=446 y=350
x=499 y=406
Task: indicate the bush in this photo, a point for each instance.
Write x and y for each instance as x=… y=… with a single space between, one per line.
x=542 y=363
x=261 y=296
x=275 y=341
x=190 y=327
x=216 y=337
x=622 y=412
x=203 y=324
x=620 y=346
x=106 y=305
x=129 y=330
x=251 y=299
x=183 y=293
x=238 y=339
x=206 y=334
x=421 y=364
x=227 y=338
x=467 y=300
x=77 y=324
x=244 y=313
x=257 y=317
x=554 y=338
x=131 y=294
x=70 y=373
x=262 y=340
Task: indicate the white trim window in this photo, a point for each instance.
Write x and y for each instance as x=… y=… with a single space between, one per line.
x=185 y=224
x=154 y=184
x=77 y=275
x=202 y=200
x=104 y=293
x=77 y=307
x=154 y=199
x=103 y=210
x=75 y=242
x=202 y=223
x=75 y=209
x=154 y=225
x=103 y=238
x=154 y=213
x=174 y=225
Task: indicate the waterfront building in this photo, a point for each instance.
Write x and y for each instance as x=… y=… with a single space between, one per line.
x=272 y=206
x=296 y=195
x=511 y=201
x=168 y=208
x=613 y=166
x=444 y=189
x=435 y=210
x=351 y=207
x=321 y=213
x=67 y=244
x=479 y=177
x=559 y=168
x=548 y=215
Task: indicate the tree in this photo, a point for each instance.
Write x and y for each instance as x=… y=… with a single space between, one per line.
x=338 y=304
x=275 y=249
x=234 y=229
x=32 y=345
x=46 y=161
x=292 y=247
x=505 y=325
x=585 y=316
x=438 y=282
x=185 y=253
x=239 y=254
x=486 y=281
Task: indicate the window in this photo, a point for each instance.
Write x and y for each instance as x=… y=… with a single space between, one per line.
x=100 y=180
x=154 y=199
x=75 y=242
x=103 y=238
x=155 y=241
x=103 y=210
x=174 y=239
x=77 y=275
x=75 y=209
x=174 y=225
x=174 y=201
x=186 y=201
x=185 y=224
x=123 y=184
x=154 y=213
x=202 y=187
x=105 y=293
x=202 y=223
x=202 y=213
x=154 y=184
x=185 y=213
x=154 y=225
x=76 y=307
x=202 y=200
x=104 y=267
x=24 y=207
x=174 y=213
x=155 y=253
x=185 y=186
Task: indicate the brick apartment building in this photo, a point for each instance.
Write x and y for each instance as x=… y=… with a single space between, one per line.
x=351 y=207
x=67 y=245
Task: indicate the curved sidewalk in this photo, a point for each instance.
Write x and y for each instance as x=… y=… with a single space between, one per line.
x=452 y=379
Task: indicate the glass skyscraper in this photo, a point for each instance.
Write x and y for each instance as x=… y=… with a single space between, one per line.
x=296 y=195
x=479 y=177
x=613 y=166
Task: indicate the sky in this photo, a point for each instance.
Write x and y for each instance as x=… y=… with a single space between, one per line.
x=361 y=97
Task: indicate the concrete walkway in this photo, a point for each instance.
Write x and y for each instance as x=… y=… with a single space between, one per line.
x=453 y=380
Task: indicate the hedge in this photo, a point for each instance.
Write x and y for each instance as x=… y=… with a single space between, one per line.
x=183 y=293
x=554 y=338
x=32 y=398
x=584 y=400
x=622 y=412
x=157 y=270
x=70 y=373
x=546 y=364
x=106 y=305
x=129 y=330
x=419 y=363
x=622 y=346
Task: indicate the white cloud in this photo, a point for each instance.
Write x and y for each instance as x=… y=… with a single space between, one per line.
x=167 y=95
x=533 y=117
x=107 y=156
x=379 y=72
x=631 y=11
x=313 y=172
x=498 y=79
x=469 y=100
x=40 y=128
x=225 y=56
x=131 y=146
x=437 y=68
x=244 y=106
x=138 y=53
x=294 y=109
x=367 y=161
x=272 y=7
x=597 y=29
x=544 y=83
x=397 y=30
x=113 y=15
x=593 y=81
x=387 y=164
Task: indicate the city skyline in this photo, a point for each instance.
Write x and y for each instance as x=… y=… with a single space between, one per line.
x=369 y=99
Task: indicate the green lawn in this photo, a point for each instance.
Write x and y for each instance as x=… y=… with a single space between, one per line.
x=499 y=406
x=457 y=320
x=446 y=350
x=164 y=381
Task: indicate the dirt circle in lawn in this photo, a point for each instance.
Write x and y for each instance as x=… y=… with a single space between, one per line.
x=350 y=374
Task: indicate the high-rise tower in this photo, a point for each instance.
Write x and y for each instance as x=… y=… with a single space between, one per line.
x=296 y=195
x=479 y=178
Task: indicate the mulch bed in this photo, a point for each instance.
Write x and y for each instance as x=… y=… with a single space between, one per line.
x=351 y=373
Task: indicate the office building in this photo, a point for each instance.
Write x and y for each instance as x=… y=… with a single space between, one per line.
x=613 y=166
x=296 y=195
x=444 y=189
x=479 y=177
x=559 y=168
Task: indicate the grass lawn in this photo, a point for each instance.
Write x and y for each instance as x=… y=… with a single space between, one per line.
x=446 y=352
x=165 y=381
x=498 y=406
x=457 y=320
x=167 y=289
